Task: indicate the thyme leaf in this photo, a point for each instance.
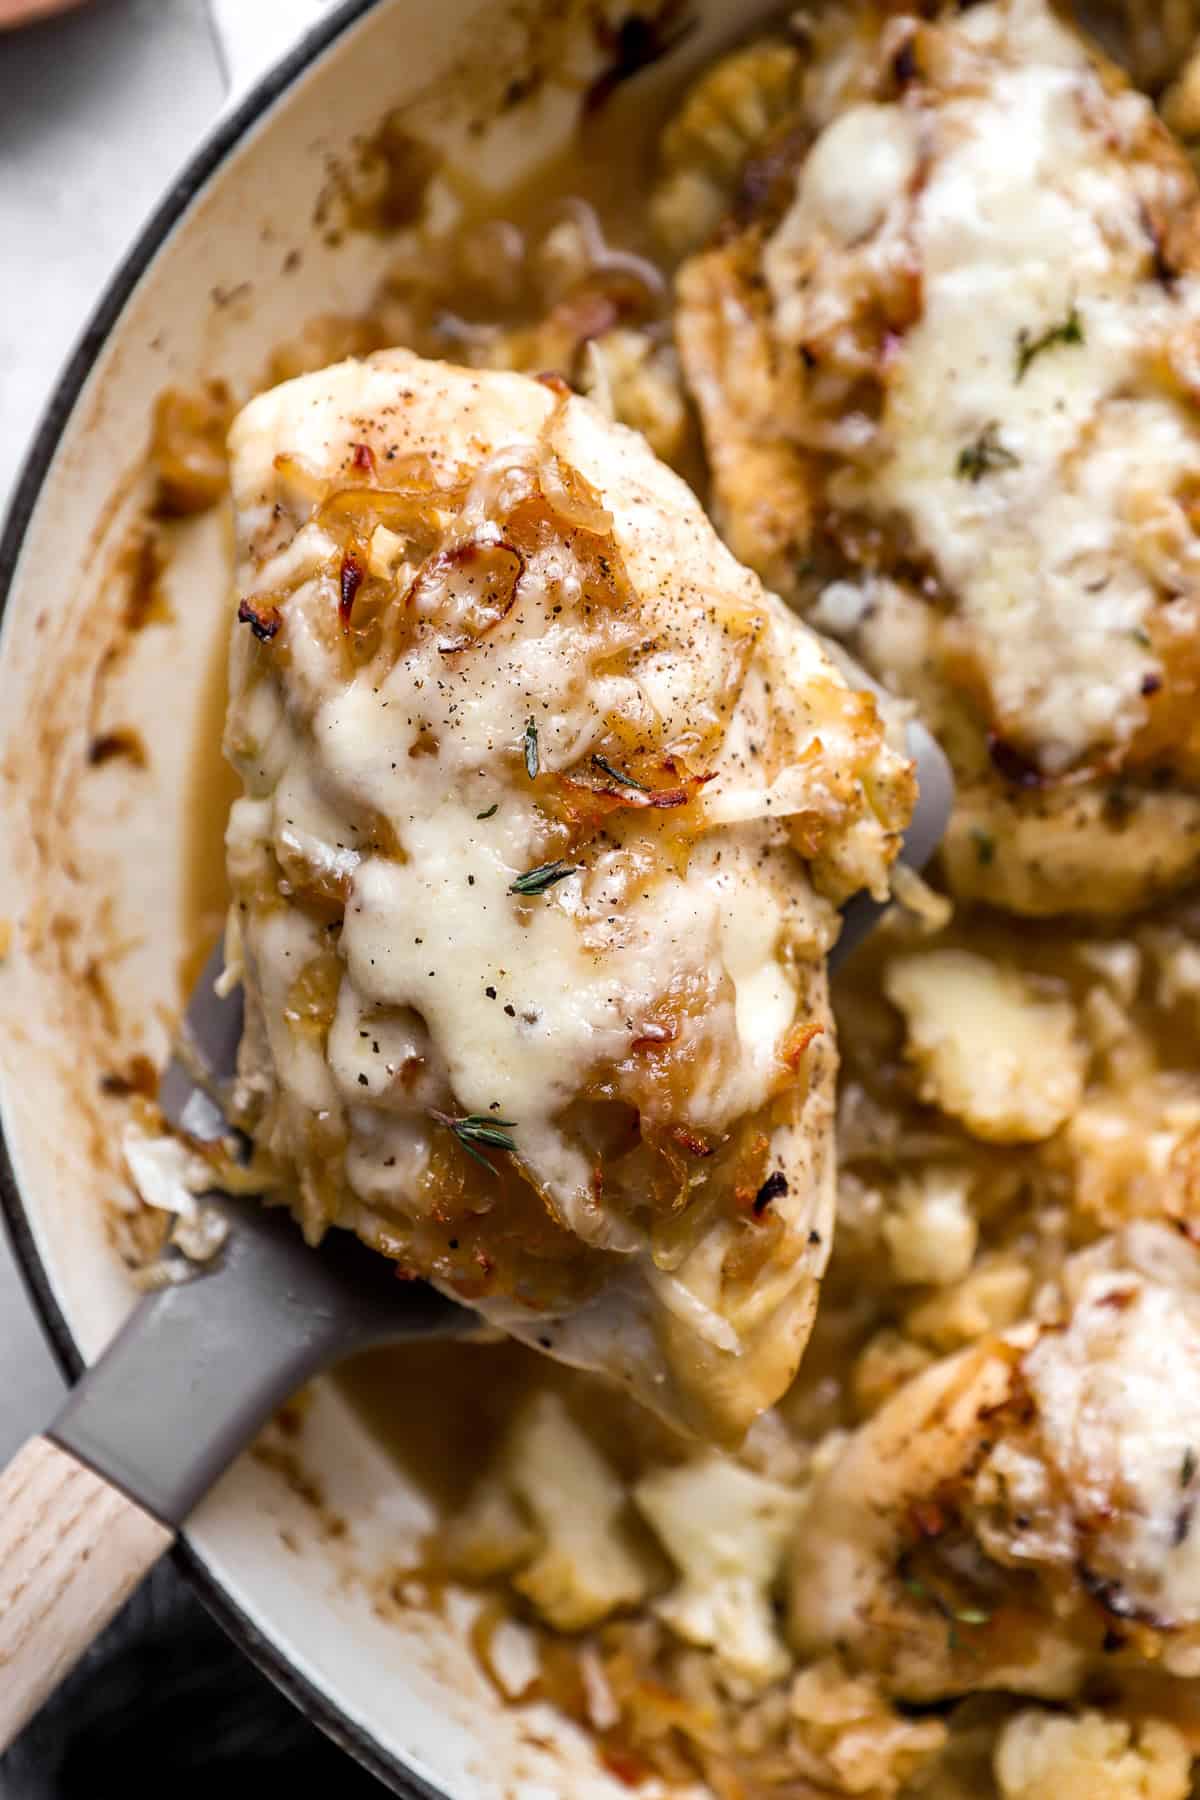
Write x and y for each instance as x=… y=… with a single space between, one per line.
x=984 y=455
x=475 y=1129
x=959 y=1615
x=491 y=812
x=532 y=758
x=619 y=775
x=1067 y=331
x=985 y=846
x=536 y=881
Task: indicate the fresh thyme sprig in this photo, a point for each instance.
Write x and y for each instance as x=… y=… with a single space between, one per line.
x=473 y=1129
x=1068 y=331
x=532 y=758
x=536 y=881
x=985 y=454
x=619 y=775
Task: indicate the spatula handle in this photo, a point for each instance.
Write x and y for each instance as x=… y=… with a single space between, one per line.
x=72 y=1550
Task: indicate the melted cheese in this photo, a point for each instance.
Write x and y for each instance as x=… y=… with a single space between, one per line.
x=1014 y=198
x=857 y=172
x=400 y=783
x=1118 y=1399
x=1065 y=1450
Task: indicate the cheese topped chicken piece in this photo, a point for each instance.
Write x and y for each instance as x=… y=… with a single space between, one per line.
x=548 y=810
x=1020 y=1515
x=947 y=357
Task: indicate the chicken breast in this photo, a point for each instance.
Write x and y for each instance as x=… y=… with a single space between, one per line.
x=1020 y=1515
x=948 y=368
x=549 y=808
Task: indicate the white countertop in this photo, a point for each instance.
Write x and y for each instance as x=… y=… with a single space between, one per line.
x=98 y=109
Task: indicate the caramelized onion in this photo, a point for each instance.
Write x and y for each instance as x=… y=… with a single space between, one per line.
x=604 y=257
x=187 y=448
x=570 y=497
x=493 y=572
x=503 y=482
x=299 y=475
x=796 y=1042
x=403 y=510
x=614 y=799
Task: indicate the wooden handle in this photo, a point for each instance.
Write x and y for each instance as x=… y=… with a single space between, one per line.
x=72 y=1550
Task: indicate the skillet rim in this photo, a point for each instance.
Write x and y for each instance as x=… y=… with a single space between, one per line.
x=186 y=188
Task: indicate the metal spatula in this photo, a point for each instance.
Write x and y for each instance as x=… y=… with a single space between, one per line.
x=197 y=1370
x=86 y=1509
